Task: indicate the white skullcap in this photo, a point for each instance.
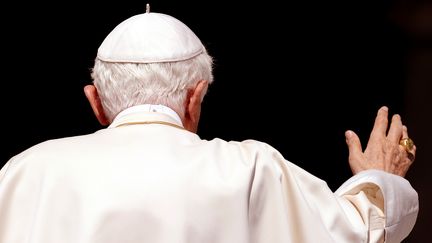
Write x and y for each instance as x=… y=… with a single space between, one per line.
x=150 y=38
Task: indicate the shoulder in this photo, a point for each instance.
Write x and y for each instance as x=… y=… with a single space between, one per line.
x=270 y=161
x=247 y=151
x=250 y=145
x=49 y=149
x=245 y=145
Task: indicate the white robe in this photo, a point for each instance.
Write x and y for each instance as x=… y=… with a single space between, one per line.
x=145 y=180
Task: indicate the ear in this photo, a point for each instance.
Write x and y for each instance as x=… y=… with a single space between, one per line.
x=92 y=95
x=193 y=106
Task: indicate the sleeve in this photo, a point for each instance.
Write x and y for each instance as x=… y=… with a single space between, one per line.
x=372 y=206
x=388 y=194
x=3 y=171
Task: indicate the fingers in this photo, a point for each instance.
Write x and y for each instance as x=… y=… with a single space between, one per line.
x=381 y=122
x=413 y=153
x=396 y=129
x=404 y=132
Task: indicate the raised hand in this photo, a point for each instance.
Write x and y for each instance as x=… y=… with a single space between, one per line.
x=383 y=151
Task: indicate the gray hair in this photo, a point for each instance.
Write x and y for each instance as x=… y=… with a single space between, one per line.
x=122 y=85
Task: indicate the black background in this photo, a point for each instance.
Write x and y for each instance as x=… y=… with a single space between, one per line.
x=295 y=74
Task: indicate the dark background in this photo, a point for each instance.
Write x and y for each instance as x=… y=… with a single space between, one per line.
x=295 y=75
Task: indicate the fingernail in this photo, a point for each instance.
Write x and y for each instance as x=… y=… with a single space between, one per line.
x=384 y=108
x=348 y=134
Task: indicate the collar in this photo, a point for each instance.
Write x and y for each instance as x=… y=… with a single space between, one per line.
x=147 y=114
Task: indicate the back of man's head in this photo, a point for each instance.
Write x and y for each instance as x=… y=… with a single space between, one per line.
x=149 y=58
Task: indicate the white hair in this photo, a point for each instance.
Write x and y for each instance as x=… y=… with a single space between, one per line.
x=122 y=85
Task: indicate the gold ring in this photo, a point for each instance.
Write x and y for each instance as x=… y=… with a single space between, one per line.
x=407 y=143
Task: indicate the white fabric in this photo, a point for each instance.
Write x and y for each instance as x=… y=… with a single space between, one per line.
x=158 y=183
x=129 y=112
x=149 y=38
x=389 y=187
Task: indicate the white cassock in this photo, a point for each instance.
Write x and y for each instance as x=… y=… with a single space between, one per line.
x=145 y=179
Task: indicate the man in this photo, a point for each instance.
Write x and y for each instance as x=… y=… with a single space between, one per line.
x=149 y=178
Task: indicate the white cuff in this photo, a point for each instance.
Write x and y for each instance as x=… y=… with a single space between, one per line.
x=400 y=201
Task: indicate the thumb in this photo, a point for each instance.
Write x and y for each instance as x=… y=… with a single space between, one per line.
x=355 y=149
x=353 y=142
